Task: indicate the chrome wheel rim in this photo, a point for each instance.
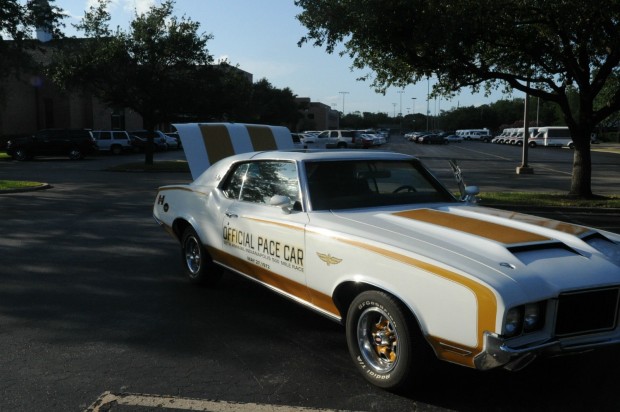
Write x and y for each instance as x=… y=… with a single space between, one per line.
x=378 y=340
x=192 y=255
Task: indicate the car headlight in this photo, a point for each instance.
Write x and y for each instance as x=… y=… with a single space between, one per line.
x=524 y=319
x=533 y=317
x=514 y=322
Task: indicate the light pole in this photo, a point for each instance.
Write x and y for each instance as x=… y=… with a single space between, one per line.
x=428 y=93
x=343 y=93
x=394 y=104
x=413 y=110
x=401 y=101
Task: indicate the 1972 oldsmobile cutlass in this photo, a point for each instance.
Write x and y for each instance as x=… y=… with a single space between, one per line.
x=371 y=239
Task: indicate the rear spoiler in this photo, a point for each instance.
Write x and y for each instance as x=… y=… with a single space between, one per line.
x=206 y=143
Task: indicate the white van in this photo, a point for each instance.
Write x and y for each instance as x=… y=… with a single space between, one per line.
x=551 y=136
x=475 y=134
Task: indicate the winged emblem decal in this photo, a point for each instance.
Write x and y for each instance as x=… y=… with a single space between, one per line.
x=329 y=259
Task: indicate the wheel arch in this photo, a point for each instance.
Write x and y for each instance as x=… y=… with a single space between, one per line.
x=347 y=291
x=178 y=227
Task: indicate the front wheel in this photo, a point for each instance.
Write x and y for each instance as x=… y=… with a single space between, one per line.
x=197 y=263
x=384 y=340
x=75 y=154
x=20 y=155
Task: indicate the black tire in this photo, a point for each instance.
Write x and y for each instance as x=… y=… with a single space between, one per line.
x=116 y=149
x=341 y=145
x=384 y=341
x=197 y=263
x=76 y=154
x=20 y=155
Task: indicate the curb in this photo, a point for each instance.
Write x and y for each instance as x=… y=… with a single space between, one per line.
x=42 y=186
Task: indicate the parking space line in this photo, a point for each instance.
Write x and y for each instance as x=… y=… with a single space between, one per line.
x=107 y=400
x=538 y=165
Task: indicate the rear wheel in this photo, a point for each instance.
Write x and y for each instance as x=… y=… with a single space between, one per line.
x=116 y=150
x=384 y=340
x=75 y=154
x=197 y=263
x=20 y=155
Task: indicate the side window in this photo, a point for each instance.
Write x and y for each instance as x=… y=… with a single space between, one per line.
x=105 y=136
x=234 y=183
x=257 y=182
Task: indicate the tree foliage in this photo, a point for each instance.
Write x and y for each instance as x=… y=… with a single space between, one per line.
x=18 y=22
x=545 y=48
x=270 y=105
x=154 y=68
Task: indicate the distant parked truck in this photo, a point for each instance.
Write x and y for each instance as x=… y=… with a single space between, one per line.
x=113 y=141
x=475 y=134
x=551 y=136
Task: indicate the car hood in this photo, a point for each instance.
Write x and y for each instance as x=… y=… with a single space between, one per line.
x=506 y=250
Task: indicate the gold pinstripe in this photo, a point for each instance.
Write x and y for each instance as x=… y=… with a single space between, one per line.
x=489 y=230
x=461 y=354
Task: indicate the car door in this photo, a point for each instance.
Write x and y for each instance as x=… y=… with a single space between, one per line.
x=262 y=240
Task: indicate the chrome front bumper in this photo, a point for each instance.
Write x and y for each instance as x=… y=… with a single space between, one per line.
x=497 y=353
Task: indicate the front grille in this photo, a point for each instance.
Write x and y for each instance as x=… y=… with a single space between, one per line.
x=587 y=311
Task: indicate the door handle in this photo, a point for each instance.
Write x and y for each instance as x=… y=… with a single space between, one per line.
x=231 y=215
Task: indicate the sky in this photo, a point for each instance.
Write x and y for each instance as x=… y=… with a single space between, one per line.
x=260 y=36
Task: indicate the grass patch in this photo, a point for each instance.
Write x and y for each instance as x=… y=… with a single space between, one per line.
x=17 y=184
x=162 y=166
x=547 y=200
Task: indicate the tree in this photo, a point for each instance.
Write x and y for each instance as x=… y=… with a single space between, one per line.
x=271 y=105
x=17 y=24
x=539 y=47
x=154 y=68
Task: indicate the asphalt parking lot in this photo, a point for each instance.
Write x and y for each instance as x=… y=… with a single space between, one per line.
x=94 y=310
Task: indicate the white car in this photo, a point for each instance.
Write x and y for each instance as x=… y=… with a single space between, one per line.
x=453 y=138
x=372 y=240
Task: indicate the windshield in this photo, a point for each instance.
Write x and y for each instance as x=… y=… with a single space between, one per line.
x=348 y=184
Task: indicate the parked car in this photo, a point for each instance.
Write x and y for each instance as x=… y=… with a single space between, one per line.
x=298 y=140
x=113 y=141
x=171 y=142
x=311 y=140
x=453 y=138
x=340 y=139
x=431 y=139
x=372 y=240
x=74 y=143
x=159 y=139
x=139 y=144
x=175 y=136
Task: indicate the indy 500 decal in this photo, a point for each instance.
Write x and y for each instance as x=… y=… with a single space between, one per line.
x=264 y=251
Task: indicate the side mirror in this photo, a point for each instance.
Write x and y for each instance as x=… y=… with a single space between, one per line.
x=471 y=194
x=283 y=202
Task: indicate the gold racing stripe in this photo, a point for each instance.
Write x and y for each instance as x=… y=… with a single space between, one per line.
x=320 y=300
x=489 y=230
x=487 y=304
x=538 y=221
x=450 y=351
x=217 y=141
x=262 y=138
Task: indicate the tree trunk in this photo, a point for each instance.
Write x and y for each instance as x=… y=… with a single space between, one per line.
x=581 y=182
x=150 y=144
